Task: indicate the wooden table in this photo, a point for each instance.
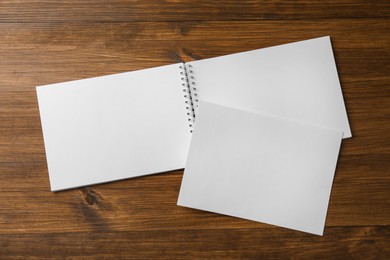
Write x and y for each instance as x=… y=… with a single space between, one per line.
x=43 y=42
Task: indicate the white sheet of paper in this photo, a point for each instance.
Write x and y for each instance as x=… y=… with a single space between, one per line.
x=296 y=80
x=114 y=127
x=260 y=168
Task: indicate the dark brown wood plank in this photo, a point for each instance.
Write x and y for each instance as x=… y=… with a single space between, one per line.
x=190 y=10
x=256 y=243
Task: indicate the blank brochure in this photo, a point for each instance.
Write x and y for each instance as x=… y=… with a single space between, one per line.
x=136 y=123
x=260 y=167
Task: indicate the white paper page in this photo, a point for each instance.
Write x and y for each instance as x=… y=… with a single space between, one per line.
x=297 y=80
x=260 y=168
x=114 y=127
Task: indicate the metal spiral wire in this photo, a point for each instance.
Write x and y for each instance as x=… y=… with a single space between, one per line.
x=189 y=90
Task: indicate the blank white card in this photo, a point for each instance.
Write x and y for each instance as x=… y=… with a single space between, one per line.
x=260 y=168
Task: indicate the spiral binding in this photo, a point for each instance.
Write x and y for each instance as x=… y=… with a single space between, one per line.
x=190 y=95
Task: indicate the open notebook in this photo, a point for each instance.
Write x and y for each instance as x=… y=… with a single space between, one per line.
x=136 y=123
x=260 y=167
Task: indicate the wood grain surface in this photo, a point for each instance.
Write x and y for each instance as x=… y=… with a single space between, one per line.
x=43 y=42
